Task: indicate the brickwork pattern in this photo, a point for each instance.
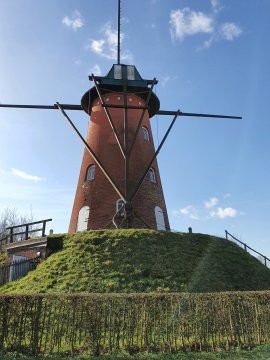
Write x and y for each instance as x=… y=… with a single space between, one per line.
x=98 y=193
x=29 y=253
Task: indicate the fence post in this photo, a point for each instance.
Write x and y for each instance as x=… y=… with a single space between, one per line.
x=226 y=234
x=26 y=231
x=11 y=235
x=43 y=228
x=245 y=247
x=265 y=262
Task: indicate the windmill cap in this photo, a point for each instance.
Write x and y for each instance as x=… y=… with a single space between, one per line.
x=117 y=78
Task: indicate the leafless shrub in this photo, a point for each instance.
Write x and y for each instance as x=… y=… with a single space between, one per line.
x=11 y=217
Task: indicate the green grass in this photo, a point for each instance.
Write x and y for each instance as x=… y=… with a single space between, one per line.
x=259 y=353
x=3 y=257
x=144 y=261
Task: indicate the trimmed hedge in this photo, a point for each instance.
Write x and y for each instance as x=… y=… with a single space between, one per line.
x=113 y=323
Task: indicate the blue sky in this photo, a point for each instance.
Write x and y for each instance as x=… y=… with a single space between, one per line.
x=209 y=57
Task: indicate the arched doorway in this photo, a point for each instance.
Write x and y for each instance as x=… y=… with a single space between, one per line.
x=160 y=218
x=83 y=218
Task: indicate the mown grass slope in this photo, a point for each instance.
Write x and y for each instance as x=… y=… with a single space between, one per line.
x=144 y=261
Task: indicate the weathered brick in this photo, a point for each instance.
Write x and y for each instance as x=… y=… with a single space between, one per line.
x=98 y=193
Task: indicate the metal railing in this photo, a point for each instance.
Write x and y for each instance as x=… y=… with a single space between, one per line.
x=17 y=269
x=262 y=258
x=23 y=235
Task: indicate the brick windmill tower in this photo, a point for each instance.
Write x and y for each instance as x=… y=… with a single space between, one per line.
x=119 y=184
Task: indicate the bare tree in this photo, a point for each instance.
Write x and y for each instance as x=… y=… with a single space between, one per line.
x=11 y=217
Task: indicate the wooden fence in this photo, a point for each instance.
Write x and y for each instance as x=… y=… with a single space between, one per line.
x=24 y=235
x=17 y=269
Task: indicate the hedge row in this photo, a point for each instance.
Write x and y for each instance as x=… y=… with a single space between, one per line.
x=112 y=323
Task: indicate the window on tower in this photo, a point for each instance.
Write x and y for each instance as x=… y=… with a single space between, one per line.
x=120 y=206
x=117 y=72
x=130 y=72
x=152 y=175
x=145 y=134
x=90 y=174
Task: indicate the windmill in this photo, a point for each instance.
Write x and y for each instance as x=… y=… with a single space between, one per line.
x=119 y=184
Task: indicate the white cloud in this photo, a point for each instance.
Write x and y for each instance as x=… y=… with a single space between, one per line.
x=216 y=5
x=211 y=202
x=189 y=211
x=96 y=70
x=107 y=45
x=187 y=22
x=97 y=46
x=224 y=213
x=75 y=22
x=25 y=176
x=226 y=31
x=230 y=31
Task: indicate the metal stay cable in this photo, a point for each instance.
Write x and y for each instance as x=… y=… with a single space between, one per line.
x=101 y=166
x=108 y=116
x=154 y=157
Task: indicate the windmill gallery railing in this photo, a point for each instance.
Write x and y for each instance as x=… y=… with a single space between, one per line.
x=262 y=258
x=23 y=235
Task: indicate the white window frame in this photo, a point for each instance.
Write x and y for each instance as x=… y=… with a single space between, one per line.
x=90 y=173
x=118 y=72
x=152 y=175
x=130 y=72
x=145 y=132
x=118 y=206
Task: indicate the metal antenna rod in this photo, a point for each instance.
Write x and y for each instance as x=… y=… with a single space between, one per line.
x=118 y=32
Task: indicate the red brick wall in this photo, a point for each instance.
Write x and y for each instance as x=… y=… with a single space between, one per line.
x=29 y=253
x=99 y=194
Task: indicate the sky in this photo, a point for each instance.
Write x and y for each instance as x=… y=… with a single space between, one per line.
x=209 y=56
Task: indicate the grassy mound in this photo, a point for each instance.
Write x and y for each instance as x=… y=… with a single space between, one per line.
x=144 y=261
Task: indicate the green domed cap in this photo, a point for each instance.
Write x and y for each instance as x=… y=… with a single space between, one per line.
x=119 y=77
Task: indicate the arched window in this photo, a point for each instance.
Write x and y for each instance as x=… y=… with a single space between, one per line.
x=145 y=134
x=120 y=206
x=160 y=218
x=90 y=174
x=152 y=175
x=83 y=218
